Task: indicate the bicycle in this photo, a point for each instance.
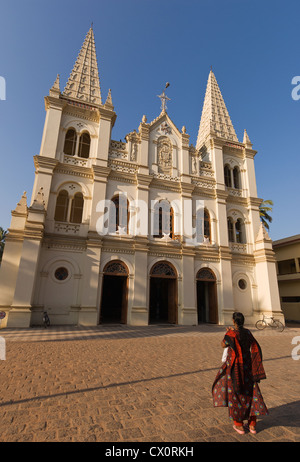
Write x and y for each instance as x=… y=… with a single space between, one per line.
x=274 y=324
x=46 y=320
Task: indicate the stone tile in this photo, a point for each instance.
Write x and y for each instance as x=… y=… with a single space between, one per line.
x=121 y=383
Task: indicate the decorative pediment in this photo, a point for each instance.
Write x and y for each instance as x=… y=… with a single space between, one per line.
x=164 y=125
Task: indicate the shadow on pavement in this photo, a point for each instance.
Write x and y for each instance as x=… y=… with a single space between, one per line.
x=286 y=415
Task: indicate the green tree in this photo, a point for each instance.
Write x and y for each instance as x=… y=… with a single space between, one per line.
x=3 y=235
x=264 y=209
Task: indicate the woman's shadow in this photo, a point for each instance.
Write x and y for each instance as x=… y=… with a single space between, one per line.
x=286 y=415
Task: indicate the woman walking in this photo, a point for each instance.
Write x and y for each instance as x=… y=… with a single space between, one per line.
x=236 y=384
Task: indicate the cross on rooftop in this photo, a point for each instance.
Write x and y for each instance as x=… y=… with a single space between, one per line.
x=164 y=98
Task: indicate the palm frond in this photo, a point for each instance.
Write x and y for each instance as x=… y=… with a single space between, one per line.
x=265 y=207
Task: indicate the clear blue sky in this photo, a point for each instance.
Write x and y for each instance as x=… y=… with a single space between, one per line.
x=252 y=45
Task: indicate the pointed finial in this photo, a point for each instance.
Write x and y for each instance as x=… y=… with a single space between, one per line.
x=55 y=89
x=246 y=139
x=108 y=103
x=22 y=204
x=38 y=202
x=262 y=234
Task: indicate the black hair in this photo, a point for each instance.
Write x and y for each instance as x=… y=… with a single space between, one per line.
x=239 y=319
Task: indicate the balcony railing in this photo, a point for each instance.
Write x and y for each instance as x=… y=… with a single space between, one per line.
x=66 y=228
x=237 y=247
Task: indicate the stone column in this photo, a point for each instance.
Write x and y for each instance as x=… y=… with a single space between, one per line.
x=187 y=313
x=44 y=168
x=139 y=312
x=88 y=314
x=144 y=131
x=11 y=257
x=266 y=277
x=54 y=107
x=107 y=120
x=20 y=314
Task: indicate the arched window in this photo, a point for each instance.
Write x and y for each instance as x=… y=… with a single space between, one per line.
x=77 y=208
x=239 y=231
x=203 y=229
x=207 y=225
x=236 y=178
x=227 y=176
x=119 y=214
x=70 y=142
x=230 y=227
x=84 y=145
x=163 y=219
x=61 y=209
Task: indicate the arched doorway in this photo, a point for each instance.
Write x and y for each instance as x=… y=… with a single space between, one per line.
x=207 y=303
x=114 y=298
x=163 y=293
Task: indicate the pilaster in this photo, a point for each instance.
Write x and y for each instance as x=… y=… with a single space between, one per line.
x=187 y=312
x=20 y=313
x=107 y=121
x=98 y=195
x=44 y=168
x=266 y=276
x=88 y=314
x=144 y=131
x=12 y=254
x=54 y=107
x=185 y=158
x=139 y=314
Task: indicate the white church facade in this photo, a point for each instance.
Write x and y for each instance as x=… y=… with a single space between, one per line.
x=150 y=230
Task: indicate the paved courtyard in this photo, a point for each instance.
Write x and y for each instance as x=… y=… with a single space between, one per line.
x=131 y=384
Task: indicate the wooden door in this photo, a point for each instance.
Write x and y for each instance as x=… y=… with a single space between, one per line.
x=213 y=307
x=124 y=300
x=172 y=301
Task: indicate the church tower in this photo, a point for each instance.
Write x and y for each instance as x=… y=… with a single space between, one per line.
x=71 y=175
x=237 y=211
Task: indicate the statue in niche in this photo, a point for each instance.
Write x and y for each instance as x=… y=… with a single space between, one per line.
x=164 y=155
x=194 y=165
x=133 y=155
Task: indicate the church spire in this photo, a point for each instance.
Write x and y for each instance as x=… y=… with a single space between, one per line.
x=83 y=83
x=215 y=118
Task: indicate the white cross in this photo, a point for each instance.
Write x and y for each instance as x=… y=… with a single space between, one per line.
x=164 y=98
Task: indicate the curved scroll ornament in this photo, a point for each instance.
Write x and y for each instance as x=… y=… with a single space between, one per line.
x=116 y=268
x=163 y=269
x=205 y=274
x=164 y=155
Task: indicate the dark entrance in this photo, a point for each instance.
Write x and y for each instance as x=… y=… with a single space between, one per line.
x=207 y=306
x=163 y=294
x=114 y=294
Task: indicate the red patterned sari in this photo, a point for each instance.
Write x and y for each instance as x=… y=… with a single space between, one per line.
x=236 y=384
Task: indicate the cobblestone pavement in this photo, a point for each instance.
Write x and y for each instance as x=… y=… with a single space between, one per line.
x=122 y=383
